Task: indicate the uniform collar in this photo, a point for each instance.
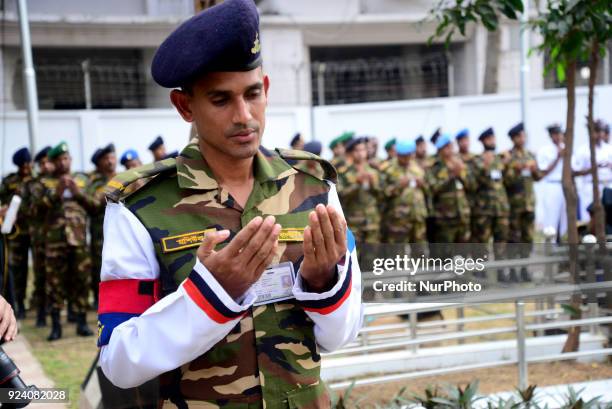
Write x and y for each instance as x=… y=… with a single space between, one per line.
x=194 y=173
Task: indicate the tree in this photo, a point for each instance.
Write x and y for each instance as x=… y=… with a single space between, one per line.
x=571 y=30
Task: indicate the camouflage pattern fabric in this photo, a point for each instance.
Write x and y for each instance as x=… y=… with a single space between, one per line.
x=270 y=359
x=490 y=210
x=18 y=242
x=361 y=203
x=406 y=207
x=68 y=265
x=96 y=193
x=36 y=191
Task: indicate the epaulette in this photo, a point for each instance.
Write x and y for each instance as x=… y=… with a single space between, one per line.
x=117 y=188
x=329 y=172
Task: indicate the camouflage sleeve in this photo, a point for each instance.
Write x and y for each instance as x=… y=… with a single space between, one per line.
x=337 y=313
x=135 y=332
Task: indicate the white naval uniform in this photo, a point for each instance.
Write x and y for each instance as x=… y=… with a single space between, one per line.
x=582 y=161
x=175 y=330
x=552 y=200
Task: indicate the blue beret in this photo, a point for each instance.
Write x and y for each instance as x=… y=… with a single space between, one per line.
x=515 y=130
x=313 y=147
x=442 y=141
x=419 y=139
x=462 y=134
x=351 y=144
x=22 y=156
x=156 y=143
x=404 y=147
x=130 y=154
x=221 y=38
x=487 y=132
x=171 y=155
x=42 y=154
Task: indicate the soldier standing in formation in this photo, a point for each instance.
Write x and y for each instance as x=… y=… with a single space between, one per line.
x=19 y=239
x=130 y=159
x=68 y=265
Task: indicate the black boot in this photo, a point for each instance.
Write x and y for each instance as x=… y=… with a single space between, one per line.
x=41 y=317
x=82 y=329
x=56 y=326
x=72 y=317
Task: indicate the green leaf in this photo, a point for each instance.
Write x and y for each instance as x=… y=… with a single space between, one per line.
x=560 y=72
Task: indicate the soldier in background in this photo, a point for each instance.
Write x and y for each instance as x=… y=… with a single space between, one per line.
x=68 y=265
x=372 y=147
x=446 y=180
x=550 y=163
x=36 y=190
x=18 y=241
x=106 y=163
x=404 y=193
x=521 y=173
x=463 y=145
x=297 y=142
x=490 y=210
x=310 y=166
x=390 y=149
x=359 y=190
x=420 y=154
x=130 y=159
x=158 y=149
x=338 y=147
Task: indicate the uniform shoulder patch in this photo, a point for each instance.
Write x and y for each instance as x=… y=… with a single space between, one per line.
x=117 y=188
x=329 y=172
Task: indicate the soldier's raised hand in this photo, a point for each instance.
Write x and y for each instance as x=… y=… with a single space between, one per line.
x=324 y=246
x=240 y=264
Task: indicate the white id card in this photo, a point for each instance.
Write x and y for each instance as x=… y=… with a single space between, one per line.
x=275 y=284
x=526 y=173
x=496 y=174
x=458 y=184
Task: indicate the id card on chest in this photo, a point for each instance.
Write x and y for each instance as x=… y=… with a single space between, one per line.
x=275 y=284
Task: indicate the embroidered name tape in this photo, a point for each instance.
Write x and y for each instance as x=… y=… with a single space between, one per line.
x=291 y=234
x=183 y=241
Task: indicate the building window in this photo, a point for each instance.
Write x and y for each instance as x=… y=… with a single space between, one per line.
x=343 y=75
x=116 y=79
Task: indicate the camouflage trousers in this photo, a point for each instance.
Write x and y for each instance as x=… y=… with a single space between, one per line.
x=449 y=231
x=38 y=256
x=68 y=271
x=96 y=264
x=522 y=225
x=18 y=247
x=414 y=234
x=485 y=228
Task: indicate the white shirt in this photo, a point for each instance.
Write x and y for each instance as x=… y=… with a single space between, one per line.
x=176 y=330
x=603 y=157
x=545 y=157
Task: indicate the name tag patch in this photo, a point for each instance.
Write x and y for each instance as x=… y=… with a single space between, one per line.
x=275 y=284
x=291 y=234
x=183 y=241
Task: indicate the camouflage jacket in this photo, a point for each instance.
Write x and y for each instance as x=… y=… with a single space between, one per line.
x=403 y=203
x=271 y=356
x=14 y=184
x=448 y=196
x=519 y=182
x=490 y=197
x=360 y=201
x=66 y=216
x=97 y=198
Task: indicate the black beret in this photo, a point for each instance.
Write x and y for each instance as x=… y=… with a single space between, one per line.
x=156 y=143
x=171 y=155
x=42 y=154
x=419 y=139
x=314 y=147
x=601 y=125
x=99 y=153
x=295 y=138
x=96 y=156
x=435 y=136
x=487 y=132
x=554 y=128
x=22 y=156
x=350 y=146
x=221 y=38
x=516 y=129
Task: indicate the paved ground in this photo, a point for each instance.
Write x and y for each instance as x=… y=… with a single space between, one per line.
x=31 y=370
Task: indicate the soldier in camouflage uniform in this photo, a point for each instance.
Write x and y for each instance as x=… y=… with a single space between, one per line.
x=491 y=208
x=420 y=154
x=522 y=172
x=19 y=240
x=106 y=164
x=446 y=180
x=463 y=144
x=68 y=265
x=182 y=252
x=360 y=192
x=36 y=190
x=404 y=192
